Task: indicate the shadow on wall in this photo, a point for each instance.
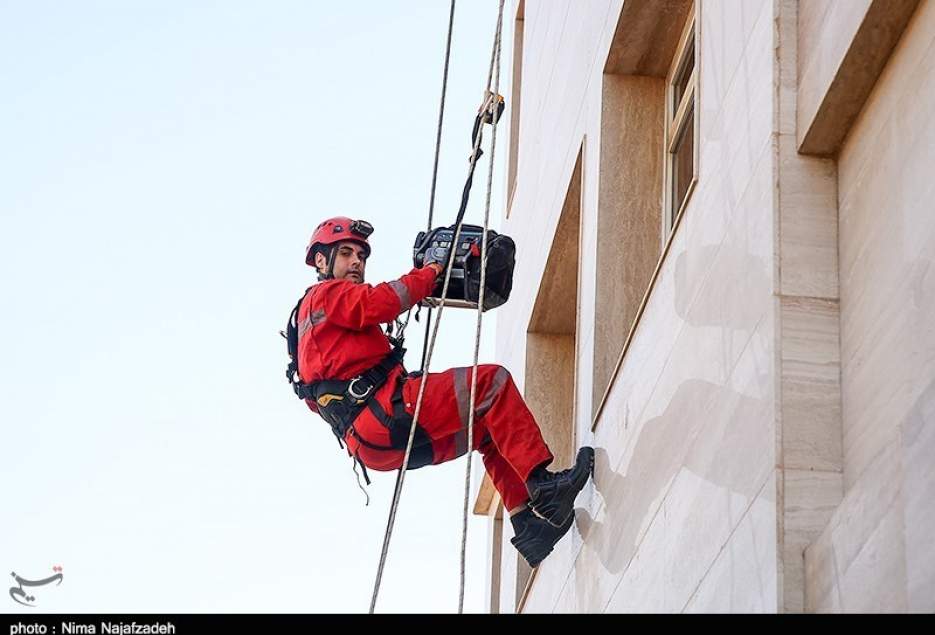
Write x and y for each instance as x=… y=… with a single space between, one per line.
x=668 y=445
x=710 y=434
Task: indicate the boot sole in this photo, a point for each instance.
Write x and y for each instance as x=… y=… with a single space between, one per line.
x=535 y=557
x=556 y=513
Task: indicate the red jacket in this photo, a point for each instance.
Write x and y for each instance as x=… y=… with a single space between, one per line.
x=339 y=324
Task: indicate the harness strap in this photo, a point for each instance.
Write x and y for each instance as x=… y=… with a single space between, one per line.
x=339 y=402
x=363 y=470
x=398 y=424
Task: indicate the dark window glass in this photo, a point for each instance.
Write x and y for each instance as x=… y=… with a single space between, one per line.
x=680 y=83
x=683 y=165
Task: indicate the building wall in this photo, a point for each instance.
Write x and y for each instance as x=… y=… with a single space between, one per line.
x=876 y=553
x=764 y=431
x=683 y=502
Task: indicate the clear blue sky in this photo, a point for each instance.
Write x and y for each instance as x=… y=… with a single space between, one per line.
x=164 y=164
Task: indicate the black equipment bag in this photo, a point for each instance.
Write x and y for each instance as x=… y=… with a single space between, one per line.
x=464 y=286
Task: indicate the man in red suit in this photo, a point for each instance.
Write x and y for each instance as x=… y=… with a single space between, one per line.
x=350 y=374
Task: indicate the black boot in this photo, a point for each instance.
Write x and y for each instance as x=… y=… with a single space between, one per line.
x=535 y=538
x=552 y=494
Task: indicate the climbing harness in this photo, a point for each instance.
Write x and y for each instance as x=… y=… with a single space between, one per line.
x=340 y=401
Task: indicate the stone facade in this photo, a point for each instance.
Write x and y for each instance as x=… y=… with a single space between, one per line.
x=753 y=365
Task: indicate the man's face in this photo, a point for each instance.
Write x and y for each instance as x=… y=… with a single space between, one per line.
x=350 y=260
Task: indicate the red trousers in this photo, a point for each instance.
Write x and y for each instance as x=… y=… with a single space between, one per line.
x=505 y=432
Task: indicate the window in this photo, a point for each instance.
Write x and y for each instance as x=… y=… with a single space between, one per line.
x=514 y=104
x=681 y=126
x=550 y=383
x=630 y=213
x=648 y=167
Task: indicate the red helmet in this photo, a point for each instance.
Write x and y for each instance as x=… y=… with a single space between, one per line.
x=336 y=230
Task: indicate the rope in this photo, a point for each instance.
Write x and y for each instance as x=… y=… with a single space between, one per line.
x=425 y=341
x=438 y=145
x=360 y=485
x=488 y=103
x=480 y=313
x=441 y=115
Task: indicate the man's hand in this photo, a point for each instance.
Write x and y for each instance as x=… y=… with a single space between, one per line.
x=437 y=267
x=437 y=256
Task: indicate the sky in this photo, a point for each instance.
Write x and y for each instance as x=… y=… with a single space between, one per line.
x=163 y=166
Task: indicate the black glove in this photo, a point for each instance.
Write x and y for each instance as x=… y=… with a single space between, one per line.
x=438 y=255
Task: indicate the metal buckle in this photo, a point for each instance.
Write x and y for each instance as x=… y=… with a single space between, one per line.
x=354 y=394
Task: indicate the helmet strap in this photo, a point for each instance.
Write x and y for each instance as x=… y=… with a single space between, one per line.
x=328 y=274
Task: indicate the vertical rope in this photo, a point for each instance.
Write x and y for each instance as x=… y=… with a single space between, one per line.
x=441 y=115
x=428 y=359
x=438 y=146
x=480 y=311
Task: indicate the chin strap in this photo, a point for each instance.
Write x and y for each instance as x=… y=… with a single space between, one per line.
x=329 y=273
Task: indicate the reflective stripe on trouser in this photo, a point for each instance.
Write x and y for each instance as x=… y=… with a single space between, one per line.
x=514 y=444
